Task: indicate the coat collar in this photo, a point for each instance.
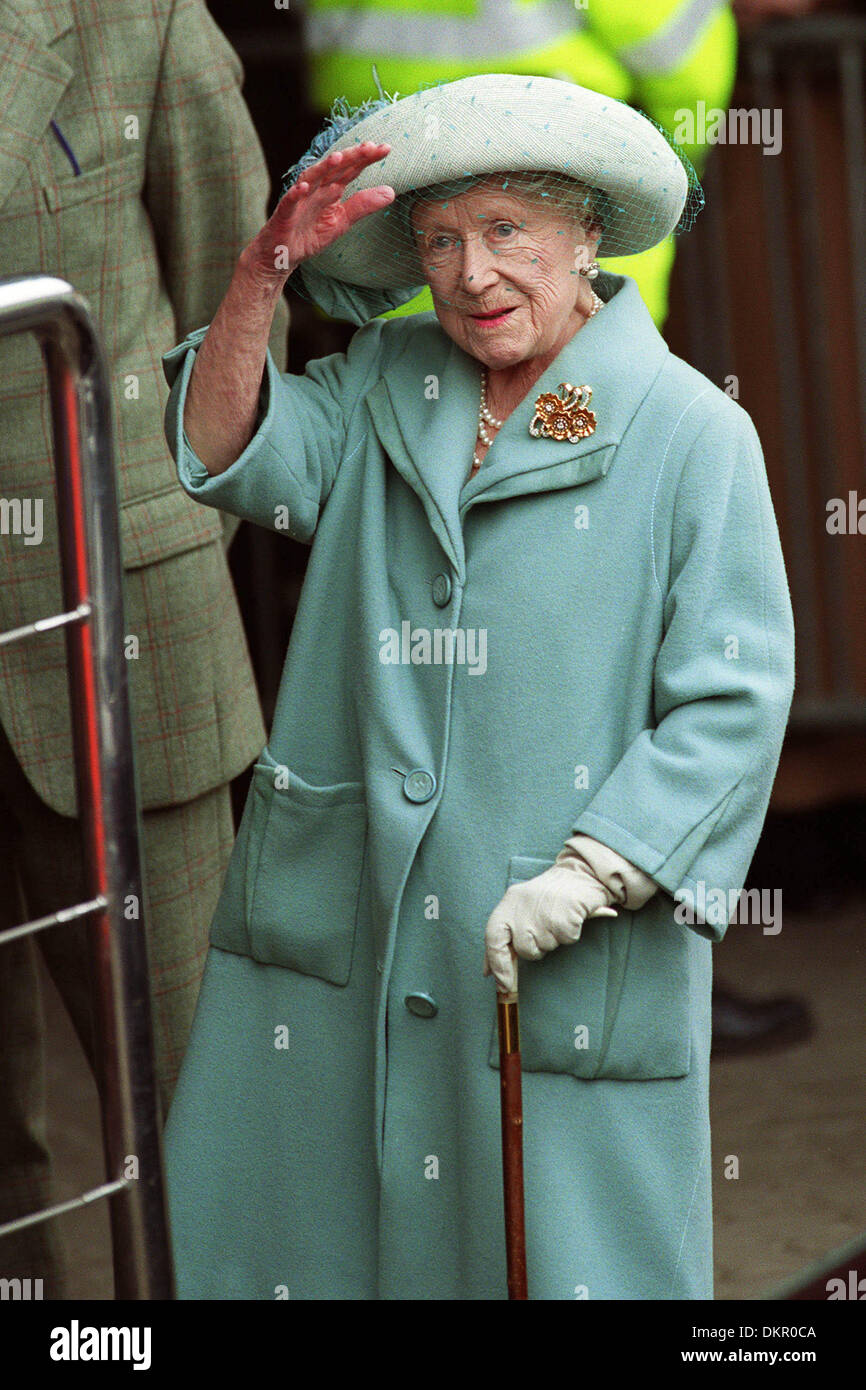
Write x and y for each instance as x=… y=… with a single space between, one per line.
x=425 y=412
x=33 y=78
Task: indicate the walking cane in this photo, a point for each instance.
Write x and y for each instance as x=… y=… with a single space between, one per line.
x=511 y=1099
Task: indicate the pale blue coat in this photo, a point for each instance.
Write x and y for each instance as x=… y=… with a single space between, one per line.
x=329 y=1139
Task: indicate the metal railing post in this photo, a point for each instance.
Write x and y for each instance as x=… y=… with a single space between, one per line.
x=92 y=580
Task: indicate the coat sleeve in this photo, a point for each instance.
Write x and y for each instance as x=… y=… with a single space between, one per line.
x=687 y=801
x=307 y=426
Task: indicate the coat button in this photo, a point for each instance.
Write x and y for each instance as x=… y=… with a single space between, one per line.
x=421 y=1005
x=419 y=785
x=441 y=590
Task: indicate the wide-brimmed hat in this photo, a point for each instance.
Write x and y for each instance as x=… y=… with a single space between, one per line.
x=488 y=124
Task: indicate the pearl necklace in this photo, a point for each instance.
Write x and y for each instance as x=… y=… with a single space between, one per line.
x=484 y=418
x=484 y=415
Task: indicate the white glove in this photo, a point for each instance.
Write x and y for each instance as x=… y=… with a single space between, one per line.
x=547 y=911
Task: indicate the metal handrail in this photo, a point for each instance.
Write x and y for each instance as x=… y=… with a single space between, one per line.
x=92 y=577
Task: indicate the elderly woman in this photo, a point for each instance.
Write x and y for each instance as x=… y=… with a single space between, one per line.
x=532 y=707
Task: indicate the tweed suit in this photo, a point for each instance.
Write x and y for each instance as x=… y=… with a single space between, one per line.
x=129 y=166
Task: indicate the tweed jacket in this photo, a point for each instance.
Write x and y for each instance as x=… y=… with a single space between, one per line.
x=129 y=166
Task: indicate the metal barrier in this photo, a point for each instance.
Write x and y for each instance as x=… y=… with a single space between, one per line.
x=105 y=779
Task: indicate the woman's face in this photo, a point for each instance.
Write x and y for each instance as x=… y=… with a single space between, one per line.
x=502 y=272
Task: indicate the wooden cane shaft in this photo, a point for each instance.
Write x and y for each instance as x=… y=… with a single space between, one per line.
x=512 y=1144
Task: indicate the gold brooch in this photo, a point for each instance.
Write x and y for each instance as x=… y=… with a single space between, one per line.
x=564 y=416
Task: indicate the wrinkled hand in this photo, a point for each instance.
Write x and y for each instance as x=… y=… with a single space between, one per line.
x=538 y=915
x=309 y=216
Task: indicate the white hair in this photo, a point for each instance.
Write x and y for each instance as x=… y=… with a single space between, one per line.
x=584 y=205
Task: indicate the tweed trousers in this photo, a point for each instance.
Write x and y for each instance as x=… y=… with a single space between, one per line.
x=185 y=852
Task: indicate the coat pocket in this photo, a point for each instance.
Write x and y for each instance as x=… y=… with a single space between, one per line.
x=615 y=1004
x=163 y=523
x=302 y=874
x=120 y=177
x=562 y=996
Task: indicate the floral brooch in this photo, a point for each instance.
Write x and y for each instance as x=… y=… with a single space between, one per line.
x=564 y=415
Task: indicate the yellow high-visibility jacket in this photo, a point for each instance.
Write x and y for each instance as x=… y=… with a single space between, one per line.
x=661 y=55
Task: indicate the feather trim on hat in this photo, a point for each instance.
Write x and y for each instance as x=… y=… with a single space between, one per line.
x=341 y=118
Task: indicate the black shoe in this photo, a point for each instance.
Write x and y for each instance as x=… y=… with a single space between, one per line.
x=745 y=1025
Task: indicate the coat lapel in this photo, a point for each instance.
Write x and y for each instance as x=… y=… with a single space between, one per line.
x=32 y=80
x=425 y=412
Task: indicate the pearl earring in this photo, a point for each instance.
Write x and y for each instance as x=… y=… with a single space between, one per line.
x=588 y=268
